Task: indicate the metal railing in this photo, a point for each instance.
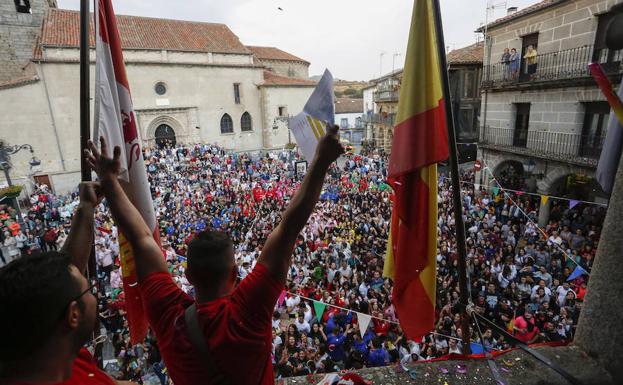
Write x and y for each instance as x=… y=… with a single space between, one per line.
x=387 y=119
x=551 y=66
x=386 y=96
x=545 y=142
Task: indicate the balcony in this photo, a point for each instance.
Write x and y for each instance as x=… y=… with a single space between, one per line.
x=386 y=119
x=386 y=96
x=582 y=150
x=568 y=66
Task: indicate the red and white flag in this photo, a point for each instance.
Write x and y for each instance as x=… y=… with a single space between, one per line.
x=115 y=121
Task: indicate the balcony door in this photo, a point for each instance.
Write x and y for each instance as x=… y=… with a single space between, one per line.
x=610 y=59
x=594 y=129
x=520 y=135
x=526 y=41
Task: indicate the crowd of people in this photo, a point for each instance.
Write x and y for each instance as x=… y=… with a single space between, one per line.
x=518 y=272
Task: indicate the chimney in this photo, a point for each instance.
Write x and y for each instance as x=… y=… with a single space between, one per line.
x=511 y=10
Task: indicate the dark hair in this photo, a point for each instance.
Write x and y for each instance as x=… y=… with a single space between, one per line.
x=34 y=291
x=210 y=255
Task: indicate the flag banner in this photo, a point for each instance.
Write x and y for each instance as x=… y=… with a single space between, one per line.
x=544 y=199
x=115 y=120
x=496 y=190
x=282 y=298
x=319 y=309
x=576 y=273
x=573 y=203
x=363 y=320
x=310 y=125
x=420 y=141
x=611 y=152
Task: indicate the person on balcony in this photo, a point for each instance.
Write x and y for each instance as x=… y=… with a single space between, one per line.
x=505 y=61
x=531 y=61
x=514 y=63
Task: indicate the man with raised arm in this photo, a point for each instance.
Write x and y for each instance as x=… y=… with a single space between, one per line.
x=234 y=323
x=49 y=311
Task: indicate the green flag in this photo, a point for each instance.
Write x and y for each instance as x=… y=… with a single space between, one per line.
x=496 y=190
x=319 y=309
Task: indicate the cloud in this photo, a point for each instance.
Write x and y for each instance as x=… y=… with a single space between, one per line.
x=345 y=36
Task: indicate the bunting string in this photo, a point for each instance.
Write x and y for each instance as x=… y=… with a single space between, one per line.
x=536 y=226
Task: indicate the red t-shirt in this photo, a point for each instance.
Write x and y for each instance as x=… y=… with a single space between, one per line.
x=237 y=329
x=84 y=371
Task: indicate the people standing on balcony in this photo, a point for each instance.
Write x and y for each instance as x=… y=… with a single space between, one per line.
x=505 y=61
x=531 y=61
x=514 y=63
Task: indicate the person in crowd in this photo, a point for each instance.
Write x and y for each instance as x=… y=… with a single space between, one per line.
x=212 y=270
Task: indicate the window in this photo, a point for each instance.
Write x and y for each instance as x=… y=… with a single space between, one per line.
x=22 y=6
x=227 y=125
x=520 y=137
x=237 y=93
x=358 y=122
x=469 y=84
x=594 y=130
x=602 y=54
x=283 y=111
x=246 y=124
x=344 y=123
x=466 y=120
x=160 y=88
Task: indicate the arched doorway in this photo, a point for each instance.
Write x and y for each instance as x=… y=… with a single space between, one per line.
x=510 y=174
x=165 y=135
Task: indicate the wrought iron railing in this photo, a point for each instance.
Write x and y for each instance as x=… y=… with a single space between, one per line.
x=545 y=142
x=551 y=66
x=386 y=96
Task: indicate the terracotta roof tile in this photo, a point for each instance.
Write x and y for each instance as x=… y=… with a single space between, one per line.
x=272 y=79
x=472 y=54
x=62 y=27
x=348 y=106
x=522 y=12
x=272 y=53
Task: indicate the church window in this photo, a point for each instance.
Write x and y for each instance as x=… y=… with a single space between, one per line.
x=237 y=93
x=160 y=88
x=246 y=124
x=227 y=125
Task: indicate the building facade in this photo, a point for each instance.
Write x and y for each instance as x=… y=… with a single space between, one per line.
x=209 y=88
x=544 y=119
x=349 y=116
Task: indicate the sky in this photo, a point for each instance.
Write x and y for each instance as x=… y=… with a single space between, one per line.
x=345 y=36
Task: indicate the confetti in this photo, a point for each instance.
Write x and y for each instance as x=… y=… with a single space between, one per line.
x=460 y=370
x=505 y=370
x=443 y=370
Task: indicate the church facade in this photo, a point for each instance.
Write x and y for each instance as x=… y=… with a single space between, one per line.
x=190 y=81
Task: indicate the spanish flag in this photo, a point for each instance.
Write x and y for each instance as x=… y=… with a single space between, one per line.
x=420 y=141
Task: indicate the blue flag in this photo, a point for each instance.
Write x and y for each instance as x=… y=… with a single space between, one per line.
x=576 y=273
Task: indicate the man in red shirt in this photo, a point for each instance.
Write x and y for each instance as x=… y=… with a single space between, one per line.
x=235 y=322
x=49 y=312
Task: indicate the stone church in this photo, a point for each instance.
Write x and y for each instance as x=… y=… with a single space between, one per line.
x=190 y=82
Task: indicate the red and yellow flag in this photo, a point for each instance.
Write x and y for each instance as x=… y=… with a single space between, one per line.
x=420 y=141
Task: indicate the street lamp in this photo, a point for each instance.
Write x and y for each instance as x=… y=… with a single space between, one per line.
x=5 y=163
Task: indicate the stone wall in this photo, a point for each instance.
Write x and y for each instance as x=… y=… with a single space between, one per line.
x=569 y=25
x=559 y=110
x=293 y=99
x=287 y=68
x=18 y=32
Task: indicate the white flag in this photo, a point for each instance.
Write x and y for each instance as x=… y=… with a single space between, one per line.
x=310 y=125
x=363 y=320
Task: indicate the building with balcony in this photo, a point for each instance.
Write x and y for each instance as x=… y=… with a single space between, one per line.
x=543 y=118
x=349 y=116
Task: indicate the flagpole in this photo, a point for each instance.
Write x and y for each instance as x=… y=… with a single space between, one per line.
x=456 y=186
x=85 y=109
x=85 y=106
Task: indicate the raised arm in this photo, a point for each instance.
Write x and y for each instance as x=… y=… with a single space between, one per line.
x=79 y=242
x=147 y=254
x=277 y=252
